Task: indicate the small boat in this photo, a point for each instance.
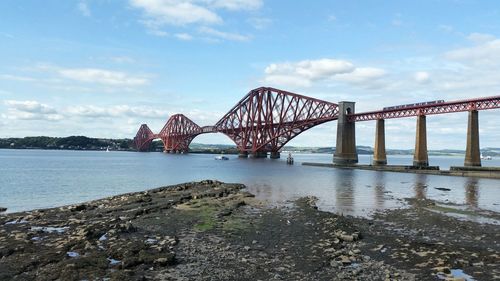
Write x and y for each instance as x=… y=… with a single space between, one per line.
x=485 y=157
x=221 y=157
x=107 y=149
x=289 y=159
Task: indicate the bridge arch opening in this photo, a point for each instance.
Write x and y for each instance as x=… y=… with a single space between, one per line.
x=214 y=141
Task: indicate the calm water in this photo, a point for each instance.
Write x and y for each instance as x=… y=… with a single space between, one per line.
x=31 y=179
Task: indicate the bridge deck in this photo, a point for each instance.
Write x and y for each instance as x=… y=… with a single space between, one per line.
x=440 y=108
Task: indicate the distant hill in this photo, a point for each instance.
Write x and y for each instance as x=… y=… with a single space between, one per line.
x=71 y=143
x=86 y=143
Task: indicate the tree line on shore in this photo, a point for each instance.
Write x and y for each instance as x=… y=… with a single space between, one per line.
x=86 y=143
x=72 y=142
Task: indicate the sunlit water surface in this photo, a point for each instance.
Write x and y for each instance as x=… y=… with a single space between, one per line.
x=31 y=179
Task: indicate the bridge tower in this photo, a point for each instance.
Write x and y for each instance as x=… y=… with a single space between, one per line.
x=472 y=152
x=420 y=157
x=345 y=150
x=379 y=154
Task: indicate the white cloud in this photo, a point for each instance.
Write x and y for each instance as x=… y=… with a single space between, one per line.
x=93 y=111
x=311 y=69
x=235 y=4
x=175 y=12
x=34 y=110
x=184 y=36
x=84 y=9
x=30 y=106
x=281 y=80
x=157 y=14
x=101 y=76
x=30 y=110
x=157 y=32
x=260 y=23
x=17 y=78
x=480 y=37
x=362 y=75
x=421 y=77
x=223 y=35
x=305 y=73
x=485 y=52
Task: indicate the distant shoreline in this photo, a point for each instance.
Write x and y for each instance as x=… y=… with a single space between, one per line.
x=83 y=143
x=211 y=151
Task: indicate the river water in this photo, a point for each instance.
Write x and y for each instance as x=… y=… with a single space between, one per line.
x=31 y=179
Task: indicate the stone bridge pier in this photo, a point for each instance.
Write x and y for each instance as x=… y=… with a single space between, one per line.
x=345 y=150
x=379 y=154
x=472 y=151
x=421 y=157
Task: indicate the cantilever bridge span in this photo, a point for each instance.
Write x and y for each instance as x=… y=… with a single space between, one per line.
x=266 y=119
x=263 y=121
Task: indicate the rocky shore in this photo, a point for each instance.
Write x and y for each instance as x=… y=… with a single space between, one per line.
x=216 y=231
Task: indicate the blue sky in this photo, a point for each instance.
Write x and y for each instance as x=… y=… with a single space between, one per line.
x=101 y=68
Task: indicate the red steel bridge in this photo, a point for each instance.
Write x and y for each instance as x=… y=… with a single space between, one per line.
x=263 y=121
x=266 y=119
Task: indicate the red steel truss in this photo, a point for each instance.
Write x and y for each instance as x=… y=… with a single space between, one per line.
x=439 y=108
x=263 y=121
x=143 y=138
x=178 y=133
x=267 y=118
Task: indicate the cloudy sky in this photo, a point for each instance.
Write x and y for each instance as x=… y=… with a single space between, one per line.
x=101 y=68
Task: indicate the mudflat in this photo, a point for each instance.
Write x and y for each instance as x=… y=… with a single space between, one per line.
x=211 y=230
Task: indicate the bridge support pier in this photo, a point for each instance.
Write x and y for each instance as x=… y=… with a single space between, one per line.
x=345 y=150
x=243 y=154
x=379 y=155
x=274 y=155
x=258 y=154
x=421 y=158
x=472 y=152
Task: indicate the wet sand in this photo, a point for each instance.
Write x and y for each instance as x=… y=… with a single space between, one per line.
x=216 y=231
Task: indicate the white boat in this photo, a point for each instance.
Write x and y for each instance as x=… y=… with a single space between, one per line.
x=485 y=157
x=107 y=149
x=221 y=157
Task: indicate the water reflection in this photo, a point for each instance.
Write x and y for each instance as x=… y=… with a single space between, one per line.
x=471 y=192
x=345 y=191
x=420 y=186
x=379 y=189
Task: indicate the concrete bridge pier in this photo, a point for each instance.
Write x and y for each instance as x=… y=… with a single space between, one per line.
x=243 y=154
x=258 y=154
x=379 y=154
x=472 y=152
x=421 y=158
x=274 y=155
x=345 y=150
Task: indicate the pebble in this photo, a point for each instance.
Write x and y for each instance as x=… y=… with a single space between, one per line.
x=345 y=260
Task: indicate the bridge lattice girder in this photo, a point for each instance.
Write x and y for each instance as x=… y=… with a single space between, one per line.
x=178 y=133
x=143 y=138
x=440 y=108
x=267 y=118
